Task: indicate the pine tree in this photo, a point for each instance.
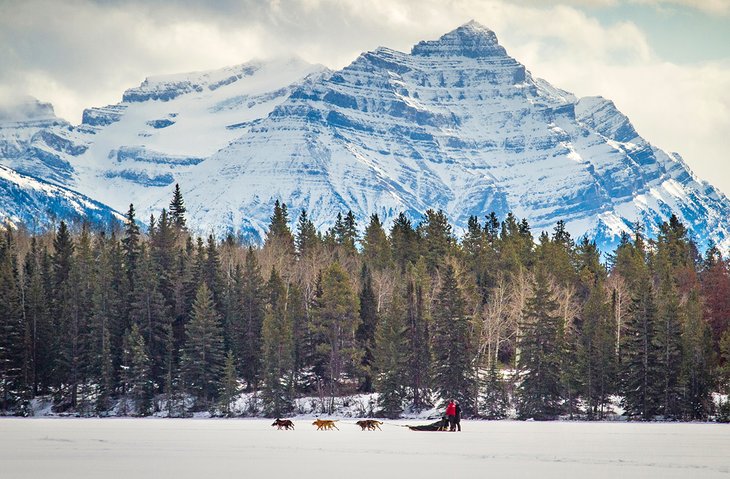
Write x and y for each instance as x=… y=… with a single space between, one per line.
x=696 y=376
x=63 y=312
x=335 y=321
x=229 y=385
x=203 y=355
x=641 y=376
x=12 y=328
x=597 y=352
x=404 y=241
x=177 y=209
x=306 y=240
x=135 y=371
x=390 y=358
x=376 y=250
x=279 y=233
x=495 y=400
x=419 y=337
x=452 y=350
x=365 y=334
x=437 y=238
x=37 y=318
x=247 y=333
x=278 y=350
x=149 y=311
x=539 y=394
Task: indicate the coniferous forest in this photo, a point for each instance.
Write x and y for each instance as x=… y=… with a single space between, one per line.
x=141 y=318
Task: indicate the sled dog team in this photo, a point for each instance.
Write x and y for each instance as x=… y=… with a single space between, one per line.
x=450 y=422
x=328 y=424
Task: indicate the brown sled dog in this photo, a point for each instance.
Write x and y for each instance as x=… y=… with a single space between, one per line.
x=369 y=424
x=325 y=424
x=283 y=424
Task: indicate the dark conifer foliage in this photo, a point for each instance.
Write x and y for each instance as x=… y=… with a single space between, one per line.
x=142 y=320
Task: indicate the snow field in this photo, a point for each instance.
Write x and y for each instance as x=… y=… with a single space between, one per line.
x=190 y=448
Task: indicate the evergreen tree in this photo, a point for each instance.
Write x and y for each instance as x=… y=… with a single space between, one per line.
x=641 y=376
x=203 y=356
x=391 y=359
x=336 y=321
x=306 y=240
x=437 y=238
x=597 y=353
x=418 y=334
x=278 y=344
x=135 y=371
x=495 y=400
x=12 y=328
x=452 y=351
x=696 y=377
x=539 y=394
x=248 y=332
x=404 y=241
x=376 y=248
x=365 y=334
x=177 y=209
x=229 y=385
x=279 y=233
x=37 y=318
x=63 y=313
x=149 y=311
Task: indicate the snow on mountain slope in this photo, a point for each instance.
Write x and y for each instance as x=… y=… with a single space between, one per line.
x=31 y=137
x=34 y=202
x=135 y=150
x=459 y=125
x=455 y=124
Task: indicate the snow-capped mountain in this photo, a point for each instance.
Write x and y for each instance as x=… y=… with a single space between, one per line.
x=455 y=124
x=38 y=204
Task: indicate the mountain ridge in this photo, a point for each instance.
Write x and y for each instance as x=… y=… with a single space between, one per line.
x=456 y=124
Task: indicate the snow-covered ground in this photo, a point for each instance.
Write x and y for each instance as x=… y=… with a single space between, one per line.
x=250 y=448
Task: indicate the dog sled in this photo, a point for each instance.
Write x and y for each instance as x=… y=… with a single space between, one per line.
x=440 y=425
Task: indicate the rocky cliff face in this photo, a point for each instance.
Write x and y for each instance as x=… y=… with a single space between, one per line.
x=455 y=124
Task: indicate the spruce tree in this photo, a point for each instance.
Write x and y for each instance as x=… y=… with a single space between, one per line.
x=391 y=359
x=539 y=393
x=641 y=376
x=203 y=357
x=419 y=334
x=278 y=350
x=12 y=328
x=437 y=238
x=596 y=355
x=135 y=371
x=306 y=240
x=376 y=250
x=335 y=322
x=177 y=209
x=365 y=334
x=495 y=400
x=279 y=233
x=229 y=385
x=453 y=371
x=696 y=377
x=247 y=333
x=404 y=241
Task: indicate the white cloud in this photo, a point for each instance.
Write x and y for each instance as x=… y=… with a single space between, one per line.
x=85 y=53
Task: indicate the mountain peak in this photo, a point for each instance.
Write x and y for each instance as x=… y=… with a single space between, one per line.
x=26 y=108
x=472 y=40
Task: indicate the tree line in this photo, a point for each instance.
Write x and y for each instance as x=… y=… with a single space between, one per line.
x=138 y=320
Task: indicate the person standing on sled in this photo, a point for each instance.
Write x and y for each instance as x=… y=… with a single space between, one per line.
x=451 y=414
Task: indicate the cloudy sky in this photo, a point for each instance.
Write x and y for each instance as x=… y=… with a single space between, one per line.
x=665 y=63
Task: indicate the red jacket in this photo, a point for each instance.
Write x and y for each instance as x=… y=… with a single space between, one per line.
x=451 y=409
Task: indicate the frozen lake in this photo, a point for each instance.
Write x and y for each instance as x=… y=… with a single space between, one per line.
x=240 y=448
